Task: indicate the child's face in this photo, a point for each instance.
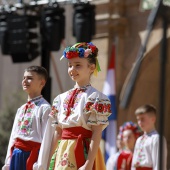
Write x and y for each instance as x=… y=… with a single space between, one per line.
x=119 y=142
x=129 y=139
x=32 y=83
x=146 y=122
x=80 y=70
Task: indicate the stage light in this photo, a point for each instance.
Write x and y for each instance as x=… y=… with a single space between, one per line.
x=53 y=26
x=84 y=22
x=22 y=37
x=3 y=34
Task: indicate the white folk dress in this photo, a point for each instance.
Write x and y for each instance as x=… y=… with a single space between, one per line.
x=29 y=125
x=111 y=163
x=146 y=153
x=91 y=107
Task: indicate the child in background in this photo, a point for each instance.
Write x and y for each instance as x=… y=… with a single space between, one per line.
x=80 y=115
x=146 y=154
x=130 y=132
x=111 y=163
x=30 y=122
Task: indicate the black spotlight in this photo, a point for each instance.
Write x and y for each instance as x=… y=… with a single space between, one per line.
x=84 y=22
x=3 y=33
x=22 y=37
x=53 y=26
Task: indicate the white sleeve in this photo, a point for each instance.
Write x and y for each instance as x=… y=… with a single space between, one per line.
x=11 y=142
x=135 y=155
x=44 y=118
x=155 y=154
x=5 y=167
x=109 y=164
x=44 y=153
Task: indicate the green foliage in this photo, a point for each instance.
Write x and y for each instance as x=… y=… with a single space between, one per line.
x=7 y=115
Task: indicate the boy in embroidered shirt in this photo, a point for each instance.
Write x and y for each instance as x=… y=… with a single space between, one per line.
x=80 y=115
x=146 y=153
x=30 y=122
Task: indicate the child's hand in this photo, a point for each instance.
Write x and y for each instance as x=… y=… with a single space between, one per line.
x=84 y=168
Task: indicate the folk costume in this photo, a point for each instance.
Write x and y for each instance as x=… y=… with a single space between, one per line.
x=75 y=111
x=75 y=115
x=146 y=153
x=27 y=134
x=111 y=163
x=124 y=160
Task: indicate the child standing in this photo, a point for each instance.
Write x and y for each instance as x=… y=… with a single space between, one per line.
x=30 y=122
x=146 y=154
x=80 y=115
x=111 y=163
x=130 y=132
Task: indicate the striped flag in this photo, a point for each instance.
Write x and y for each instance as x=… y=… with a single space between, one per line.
x=109 y=89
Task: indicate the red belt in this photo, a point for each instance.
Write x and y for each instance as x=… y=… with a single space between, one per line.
x=81 y=135
x=31 y=146
x=143 y=168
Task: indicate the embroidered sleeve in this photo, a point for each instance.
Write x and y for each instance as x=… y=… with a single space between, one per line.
x=55 y=107
x=99 y=109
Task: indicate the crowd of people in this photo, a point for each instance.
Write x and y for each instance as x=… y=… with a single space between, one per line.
x=66 y=135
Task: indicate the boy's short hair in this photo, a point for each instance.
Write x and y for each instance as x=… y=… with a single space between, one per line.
x=146 y=109
x=39 y=70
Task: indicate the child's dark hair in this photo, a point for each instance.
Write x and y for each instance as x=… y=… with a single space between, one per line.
x=147 y=108
x=92 y=58
x=39 y=70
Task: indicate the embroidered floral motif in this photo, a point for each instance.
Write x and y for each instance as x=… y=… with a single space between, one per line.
x=65 y=161
x=99 y=106
x=88 y=106
x=76 y=99
x=25 y=119
x=141 y=155
x=54 y=111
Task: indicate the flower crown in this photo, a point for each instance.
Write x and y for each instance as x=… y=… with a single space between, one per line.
x=74 y=51
x=130 y=126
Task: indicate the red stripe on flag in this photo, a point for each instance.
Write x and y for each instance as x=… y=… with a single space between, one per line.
x=112 y=58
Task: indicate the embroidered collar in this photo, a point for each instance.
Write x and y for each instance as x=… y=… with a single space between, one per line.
x=83 y=87
x=151 y=133
x=35 y=99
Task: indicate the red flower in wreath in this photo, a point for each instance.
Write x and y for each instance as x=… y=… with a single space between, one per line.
x=93 y=48
x=71 y=54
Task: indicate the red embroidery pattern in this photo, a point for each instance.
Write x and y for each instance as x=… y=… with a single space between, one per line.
x=71 y=101
x=100 y=106
x=54 y=111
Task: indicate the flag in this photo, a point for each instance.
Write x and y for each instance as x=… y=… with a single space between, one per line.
x=109 y=89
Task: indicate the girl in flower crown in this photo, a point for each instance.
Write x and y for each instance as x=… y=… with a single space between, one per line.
x=78 y=116
x=129 y=132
